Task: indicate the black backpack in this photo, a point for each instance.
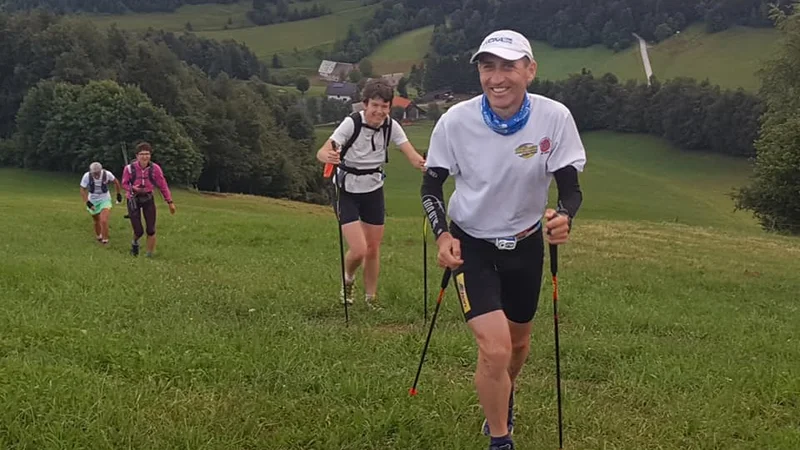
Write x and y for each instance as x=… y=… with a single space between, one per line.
x=386 y=127
x=103 y=183
x=132 y=171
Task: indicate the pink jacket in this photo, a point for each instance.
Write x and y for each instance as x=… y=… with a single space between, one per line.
x=143 y=179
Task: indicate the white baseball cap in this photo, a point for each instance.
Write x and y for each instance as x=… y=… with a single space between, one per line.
x=506 y=44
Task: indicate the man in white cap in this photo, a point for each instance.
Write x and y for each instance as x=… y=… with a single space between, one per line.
x=94 y=190
x=503 y=148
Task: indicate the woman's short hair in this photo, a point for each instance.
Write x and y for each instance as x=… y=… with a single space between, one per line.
x=143 y=147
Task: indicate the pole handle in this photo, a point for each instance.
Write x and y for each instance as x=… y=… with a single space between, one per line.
x=446 y=278
x=553 y=259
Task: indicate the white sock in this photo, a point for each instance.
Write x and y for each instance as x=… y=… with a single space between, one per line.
x=348 y=278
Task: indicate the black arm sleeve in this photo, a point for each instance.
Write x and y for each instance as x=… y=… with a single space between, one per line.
x=569 y=191
x=433 y=199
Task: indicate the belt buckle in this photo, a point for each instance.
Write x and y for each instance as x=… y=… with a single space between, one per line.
x=506 y=243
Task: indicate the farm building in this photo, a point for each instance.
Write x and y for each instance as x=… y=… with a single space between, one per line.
x=334 y=71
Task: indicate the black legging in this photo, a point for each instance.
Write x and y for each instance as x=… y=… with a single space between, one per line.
x=149 y=209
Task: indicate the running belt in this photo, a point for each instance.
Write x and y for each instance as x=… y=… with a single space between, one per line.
x=510 y=242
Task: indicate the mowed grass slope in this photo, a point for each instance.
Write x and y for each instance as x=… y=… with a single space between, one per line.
x=232 y=337
x=209 y=20
x=302 y=35
x=558 y=63
x=204 y=17
x=207 y=16
x=402 y=52
x=730 y=58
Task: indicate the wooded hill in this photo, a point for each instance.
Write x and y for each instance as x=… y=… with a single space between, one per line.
x=87 y=93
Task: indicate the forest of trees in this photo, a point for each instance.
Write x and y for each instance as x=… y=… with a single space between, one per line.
x=71 y=94
x=563 y=23
x=267 y=12
x=102 y=6
x=580 y=23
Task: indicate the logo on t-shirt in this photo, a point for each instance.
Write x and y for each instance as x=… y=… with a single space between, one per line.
x=526 y=150
x=544 y=145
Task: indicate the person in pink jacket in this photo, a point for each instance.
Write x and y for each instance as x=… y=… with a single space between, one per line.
x=140 y=179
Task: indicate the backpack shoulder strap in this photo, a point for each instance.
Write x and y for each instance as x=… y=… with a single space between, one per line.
x=356 y=117
x=132 y=171
x=387 y=132
x=150 y=173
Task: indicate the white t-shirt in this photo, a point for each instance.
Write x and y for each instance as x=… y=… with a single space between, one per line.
x=98 y=194
x=502 y=182
x=362 y=155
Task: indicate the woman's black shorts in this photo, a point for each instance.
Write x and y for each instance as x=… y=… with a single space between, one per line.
x=368 y=206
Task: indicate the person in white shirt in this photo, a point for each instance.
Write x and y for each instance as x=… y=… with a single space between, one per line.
x=94 y=191
x=364 y=139
x=502 y=148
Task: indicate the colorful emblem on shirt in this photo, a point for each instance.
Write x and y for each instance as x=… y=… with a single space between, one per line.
x=526 y=150
x=544 y=145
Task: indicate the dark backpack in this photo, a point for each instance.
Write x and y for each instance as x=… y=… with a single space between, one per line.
x=386 y=127
x=132 y=171
x=103 y=183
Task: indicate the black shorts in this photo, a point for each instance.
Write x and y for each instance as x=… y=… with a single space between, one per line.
x=492 y=279
x=368 y=206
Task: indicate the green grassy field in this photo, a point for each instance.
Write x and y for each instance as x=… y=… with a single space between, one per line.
x=558 y=63
x=730 y=58
x=402 y=52
x=208 y=16
x=313 y=91
x=232 y=336
x=209 y=20
x=204 y=17
x=319 y=32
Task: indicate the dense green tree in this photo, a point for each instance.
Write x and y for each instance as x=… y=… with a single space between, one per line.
x=303 y=84
x=65 y=127
x=773 y=194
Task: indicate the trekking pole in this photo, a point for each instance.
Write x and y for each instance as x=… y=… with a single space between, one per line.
x=124 y=164
x=341 y=257
x=327 y=173
x=554 y=272
x=425 y=265
x=445 y=280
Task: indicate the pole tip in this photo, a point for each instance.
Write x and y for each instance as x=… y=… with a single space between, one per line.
x=412 y=392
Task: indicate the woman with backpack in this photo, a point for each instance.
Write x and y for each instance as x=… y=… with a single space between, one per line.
x=139 y=179
x=94 y=190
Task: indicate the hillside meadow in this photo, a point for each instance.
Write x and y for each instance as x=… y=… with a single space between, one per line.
x=730 y=58
x=677 y=322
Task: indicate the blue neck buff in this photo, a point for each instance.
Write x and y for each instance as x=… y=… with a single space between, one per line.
x=510 y=126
